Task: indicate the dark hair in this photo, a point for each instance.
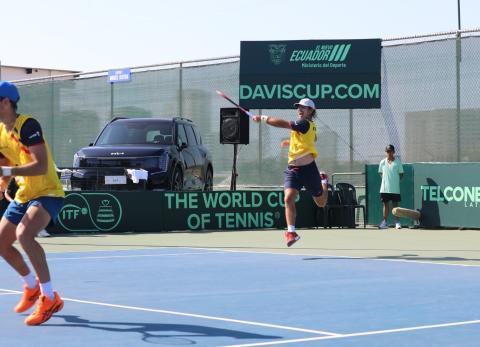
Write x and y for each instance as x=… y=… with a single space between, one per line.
x=390 y=148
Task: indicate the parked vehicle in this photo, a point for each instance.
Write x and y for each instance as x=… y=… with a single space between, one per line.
x=169 y=149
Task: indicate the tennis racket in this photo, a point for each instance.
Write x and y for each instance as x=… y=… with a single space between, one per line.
x=234 y=103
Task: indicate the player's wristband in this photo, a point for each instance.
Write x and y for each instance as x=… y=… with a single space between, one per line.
x=264 y=118
x=6 y=171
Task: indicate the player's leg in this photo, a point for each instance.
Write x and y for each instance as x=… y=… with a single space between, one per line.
x=386 y=206
x=37 y=218
x=321 y=200
x=290 y=215
x=292 y=187
x=316 y=183
x=397 y=220
x=11 y=255
x=290 y=208
x=31 y=289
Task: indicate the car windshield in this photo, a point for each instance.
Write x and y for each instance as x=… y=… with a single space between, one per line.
x=137 y=133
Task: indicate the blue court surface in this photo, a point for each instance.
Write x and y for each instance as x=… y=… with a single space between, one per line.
x=215 y=297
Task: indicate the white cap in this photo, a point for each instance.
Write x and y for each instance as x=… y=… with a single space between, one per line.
x=305 y=102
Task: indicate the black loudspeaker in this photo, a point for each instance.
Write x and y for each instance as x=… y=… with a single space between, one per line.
x=234 y=126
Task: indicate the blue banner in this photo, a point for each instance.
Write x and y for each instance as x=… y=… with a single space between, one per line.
x=116 y=76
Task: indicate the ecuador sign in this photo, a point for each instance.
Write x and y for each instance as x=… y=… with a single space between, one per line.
x=340 y=74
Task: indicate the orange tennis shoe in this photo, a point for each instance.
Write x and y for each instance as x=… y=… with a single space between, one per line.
x=291 y=237
x=29 y=298
x=45 y=309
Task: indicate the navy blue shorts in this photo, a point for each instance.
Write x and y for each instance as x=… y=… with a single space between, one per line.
x=15 y=210
x=386 y=197
x=307 y=176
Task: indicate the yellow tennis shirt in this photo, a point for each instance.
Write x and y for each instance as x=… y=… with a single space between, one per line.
x=302 y=141
x=13 y=147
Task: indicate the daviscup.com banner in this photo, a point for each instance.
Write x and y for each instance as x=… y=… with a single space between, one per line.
x=336 y=74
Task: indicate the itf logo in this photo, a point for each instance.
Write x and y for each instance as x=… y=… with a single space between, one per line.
x=90 y=212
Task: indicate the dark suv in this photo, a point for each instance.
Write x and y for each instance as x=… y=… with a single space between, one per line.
x=170 y=149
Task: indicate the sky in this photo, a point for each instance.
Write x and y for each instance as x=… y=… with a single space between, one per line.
x=92 y=35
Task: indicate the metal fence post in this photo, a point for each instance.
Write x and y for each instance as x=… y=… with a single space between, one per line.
x=350 y=131
x=111 y=100
x=52 y=118
x=260 y=154
x=180 y=90
x=458 y=60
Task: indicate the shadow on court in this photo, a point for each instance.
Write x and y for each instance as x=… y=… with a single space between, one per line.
x=158 y=333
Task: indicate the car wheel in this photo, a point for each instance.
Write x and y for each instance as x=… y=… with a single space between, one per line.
x=208 y=186
x=177 y=180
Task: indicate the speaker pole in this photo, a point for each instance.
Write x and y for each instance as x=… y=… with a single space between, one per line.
x=233 y=181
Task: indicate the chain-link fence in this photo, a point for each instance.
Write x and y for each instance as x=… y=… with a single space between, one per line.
x=430 y=110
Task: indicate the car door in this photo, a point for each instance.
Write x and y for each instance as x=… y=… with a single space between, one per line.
x=187 y=156
x=204 y=156
x=194 y=150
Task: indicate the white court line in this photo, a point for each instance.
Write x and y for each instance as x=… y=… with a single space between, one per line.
x=225 y=250
x=330 y=335
x=131 y=256
x=326 y=256
x=366 y=333
x=112 y=249
x=176 y=313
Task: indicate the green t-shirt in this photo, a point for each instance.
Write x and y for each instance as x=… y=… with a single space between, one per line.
x=390 y=176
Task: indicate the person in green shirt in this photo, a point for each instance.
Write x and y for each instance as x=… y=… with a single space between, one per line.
x=391 y=171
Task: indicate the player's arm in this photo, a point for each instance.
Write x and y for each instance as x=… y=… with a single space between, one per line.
x=276 y=122
x=301 y=125
x=4 y=183
x=31 y=137
x=285 y=143
x=39 y=164
x=4 y=179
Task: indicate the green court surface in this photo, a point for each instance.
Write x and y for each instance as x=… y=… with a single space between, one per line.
x=436 y=246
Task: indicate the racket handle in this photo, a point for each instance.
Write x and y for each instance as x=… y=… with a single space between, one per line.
x=248 y=113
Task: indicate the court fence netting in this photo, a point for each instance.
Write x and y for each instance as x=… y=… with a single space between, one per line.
x=430 y=110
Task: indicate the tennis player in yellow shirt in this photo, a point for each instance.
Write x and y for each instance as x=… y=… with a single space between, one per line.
x=25 y=154
x=302 y=170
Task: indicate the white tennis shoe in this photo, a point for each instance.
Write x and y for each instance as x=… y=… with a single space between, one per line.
x=43 y=233
x=383 y=225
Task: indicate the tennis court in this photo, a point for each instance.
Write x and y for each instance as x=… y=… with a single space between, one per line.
x=333 y=288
